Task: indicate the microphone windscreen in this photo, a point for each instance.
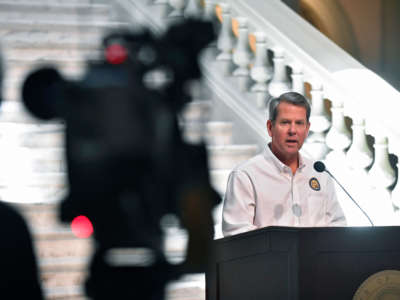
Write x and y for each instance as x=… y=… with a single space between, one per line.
x=319 y=166
x=38 y=92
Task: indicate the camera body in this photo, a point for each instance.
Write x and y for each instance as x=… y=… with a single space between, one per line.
x=127 y=163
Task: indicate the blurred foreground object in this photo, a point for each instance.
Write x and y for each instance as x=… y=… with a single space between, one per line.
x=128 y=166
x=19 y=273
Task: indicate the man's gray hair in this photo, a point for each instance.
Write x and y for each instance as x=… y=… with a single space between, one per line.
x=291 y=98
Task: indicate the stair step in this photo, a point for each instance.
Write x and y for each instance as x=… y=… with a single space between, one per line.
x=39 y=215
x=174 y=291
x=220 y=157
x=65 y=293
x=18 y=70
x=218 y=179
x=34 y=135
x=14 y=113
x=214 y=133
x=196 y=111
x=53 y=11
x=51 y=137
x=52 y=1
x=28 y=194
x=47 y=41
x=228 y=156
x=30 y=27
x=52 y=243
x=37 y=161
x=50 y=54
x=50 y=180
x=63 y=272
x=46 y=160
x=64 y=263
x=188 y=287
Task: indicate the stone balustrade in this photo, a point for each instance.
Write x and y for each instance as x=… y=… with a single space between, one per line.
x=264 y=49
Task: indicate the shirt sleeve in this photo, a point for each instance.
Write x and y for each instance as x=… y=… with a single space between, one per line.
x=239 y=205
x=334 y=212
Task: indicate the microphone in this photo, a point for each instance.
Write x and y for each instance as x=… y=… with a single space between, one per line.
x=319 y=166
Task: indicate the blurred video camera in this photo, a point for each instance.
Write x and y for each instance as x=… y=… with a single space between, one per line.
x=127 y=163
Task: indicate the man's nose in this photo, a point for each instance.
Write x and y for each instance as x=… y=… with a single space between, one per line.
x=292 y=129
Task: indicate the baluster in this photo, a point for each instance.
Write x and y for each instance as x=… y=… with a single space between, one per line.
x=163 y=6
x=338 y=137
x=209 y=14
x=178 y=8
x=297 y=79
x=193 y=9
x=225 y=40
x=261 y=71
x=381 y=177
x=241 y=56
x=395 y=196
x=320 y=123
x=279 y=83
x=209 y=10
x=359 y=157
x=381 y=174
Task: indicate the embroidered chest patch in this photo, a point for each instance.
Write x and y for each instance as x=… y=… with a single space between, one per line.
x=314 y=184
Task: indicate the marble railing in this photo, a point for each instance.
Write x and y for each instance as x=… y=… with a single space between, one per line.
x=265 y=49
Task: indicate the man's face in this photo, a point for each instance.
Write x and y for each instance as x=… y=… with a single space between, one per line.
x=289 y=130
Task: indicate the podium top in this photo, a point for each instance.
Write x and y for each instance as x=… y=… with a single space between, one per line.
x=295 y=263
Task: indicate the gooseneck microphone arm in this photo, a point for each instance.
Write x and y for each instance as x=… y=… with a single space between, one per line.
x=319 y=166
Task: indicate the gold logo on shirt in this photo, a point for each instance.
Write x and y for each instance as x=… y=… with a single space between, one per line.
x=314 y=184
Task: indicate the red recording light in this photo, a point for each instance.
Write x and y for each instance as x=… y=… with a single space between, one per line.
x=82 y=227
x=116 y=54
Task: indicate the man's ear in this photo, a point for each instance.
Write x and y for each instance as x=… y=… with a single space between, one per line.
x=269 y=127
x=308 y=128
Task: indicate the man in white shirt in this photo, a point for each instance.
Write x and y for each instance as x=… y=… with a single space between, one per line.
x=280 y=187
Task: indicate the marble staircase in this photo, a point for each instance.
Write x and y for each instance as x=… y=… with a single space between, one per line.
x=65 y=33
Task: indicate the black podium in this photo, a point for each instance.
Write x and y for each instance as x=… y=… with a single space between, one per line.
x=285 y=263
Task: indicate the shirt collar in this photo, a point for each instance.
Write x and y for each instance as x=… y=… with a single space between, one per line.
x=268 y=155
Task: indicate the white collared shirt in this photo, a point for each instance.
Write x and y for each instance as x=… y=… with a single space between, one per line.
x=264 y=192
